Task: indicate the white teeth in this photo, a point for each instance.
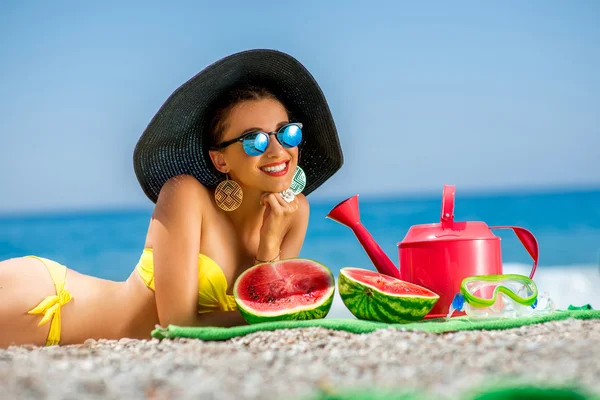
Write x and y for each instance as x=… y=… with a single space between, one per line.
x=276 y=168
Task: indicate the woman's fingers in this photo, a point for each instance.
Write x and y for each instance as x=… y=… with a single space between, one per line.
x=272 y=201
x=279 y=205
x=290 y=207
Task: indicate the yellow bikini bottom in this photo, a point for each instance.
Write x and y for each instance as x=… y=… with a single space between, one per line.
x=50 y=306
x=212 y=290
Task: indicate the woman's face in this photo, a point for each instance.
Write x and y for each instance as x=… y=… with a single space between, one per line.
x=271 y=171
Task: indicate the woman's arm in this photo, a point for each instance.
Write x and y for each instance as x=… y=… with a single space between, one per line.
x=224 y=319
x=294 y=238
x=175 y=239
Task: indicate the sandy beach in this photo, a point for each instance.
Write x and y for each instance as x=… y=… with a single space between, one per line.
x=309 y=363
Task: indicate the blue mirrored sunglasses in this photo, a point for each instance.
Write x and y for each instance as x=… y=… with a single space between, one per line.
x=256 y=143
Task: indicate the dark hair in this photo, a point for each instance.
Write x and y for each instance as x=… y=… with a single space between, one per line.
x=224 y=106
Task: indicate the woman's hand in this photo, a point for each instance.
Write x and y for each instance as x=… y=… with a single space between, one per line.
x=277 y=219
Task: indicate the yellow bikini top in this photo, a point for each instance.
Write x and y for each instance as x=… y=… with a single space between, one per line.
x=212 y=284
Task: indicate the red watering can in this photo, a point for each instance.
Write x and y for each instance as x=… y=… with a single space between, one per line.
x=438 y=256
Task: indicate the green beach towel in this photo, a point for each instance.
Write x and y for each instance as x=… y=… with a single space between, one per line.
x=439 y=325
x=503 y=392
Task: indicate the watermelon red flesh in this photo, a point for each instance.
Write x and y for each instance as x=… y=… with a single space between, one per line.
x=377 y=297
x=287 y=289
x=386 y=283
x=270 y=288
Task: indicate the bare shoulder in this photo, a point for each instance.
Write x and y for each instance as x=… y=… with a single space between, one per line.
x=183 y=192
x=294 y=238
x=303 y=206
x=184 y=185
x=302 y=213
x=182 y=204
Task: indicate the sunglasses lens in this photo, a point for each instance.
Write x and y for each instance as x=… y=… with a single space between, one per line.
x=255 y=144
x=291 y=136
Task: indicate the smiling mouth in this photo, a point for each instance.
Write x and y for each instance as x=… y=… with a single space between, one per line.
x=277 y=169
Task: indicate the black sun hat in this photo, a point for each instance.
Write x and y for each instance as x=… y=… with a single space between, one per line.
x=175 y=142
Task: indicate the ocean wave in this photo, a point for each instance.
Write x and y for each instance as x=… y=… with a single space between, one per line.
x=566 y=285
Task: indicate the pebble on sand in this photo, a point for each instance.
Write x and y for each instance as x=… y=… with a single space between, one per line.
x=302 y=363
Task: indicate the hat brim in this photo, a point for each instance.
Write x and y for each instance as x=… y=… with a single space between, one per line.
x=174 y=142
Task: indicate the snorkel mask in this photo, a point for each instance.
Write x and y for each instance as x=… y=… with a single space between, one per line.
x=499 y=296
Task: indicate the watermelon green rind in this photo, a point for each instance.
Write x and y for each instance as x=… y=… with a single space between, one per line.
x=317 y=310
x=367 y=302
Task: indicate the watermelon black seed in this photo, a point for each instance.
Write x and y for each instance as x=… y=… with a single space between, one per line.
x=251 y=290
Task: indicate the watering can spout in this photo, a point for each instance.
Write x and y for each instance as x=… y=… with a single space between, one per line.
x=347 y=213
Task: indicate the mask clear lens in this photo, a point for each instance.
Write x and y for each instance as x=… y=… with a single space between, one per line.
x=484 y=290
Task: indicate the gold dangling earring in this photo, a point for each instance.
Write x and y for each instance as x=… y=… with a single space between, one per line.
x=228 y=194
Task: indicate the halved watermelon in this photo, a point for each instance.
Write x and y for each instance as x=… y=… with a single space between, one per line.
x=292 y=289
x=373 y=296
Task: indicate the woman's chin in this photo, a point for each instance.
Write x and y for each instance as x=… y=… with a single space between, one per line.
x=275 y=188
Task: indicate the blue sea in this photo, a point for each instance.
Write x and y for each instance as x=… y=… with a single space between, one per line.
x=108 y=243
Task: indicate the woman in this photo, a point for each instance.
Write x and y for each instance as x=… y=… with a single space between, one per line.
x=224 y=160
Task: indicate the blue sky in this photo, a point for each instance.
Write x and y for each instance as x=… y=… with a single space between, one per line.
x=485 y=95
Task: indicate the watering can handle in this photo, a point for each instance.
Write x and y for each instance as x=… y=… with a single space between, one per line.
x=529 y=242
x=527 y=239
x=447 y=217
